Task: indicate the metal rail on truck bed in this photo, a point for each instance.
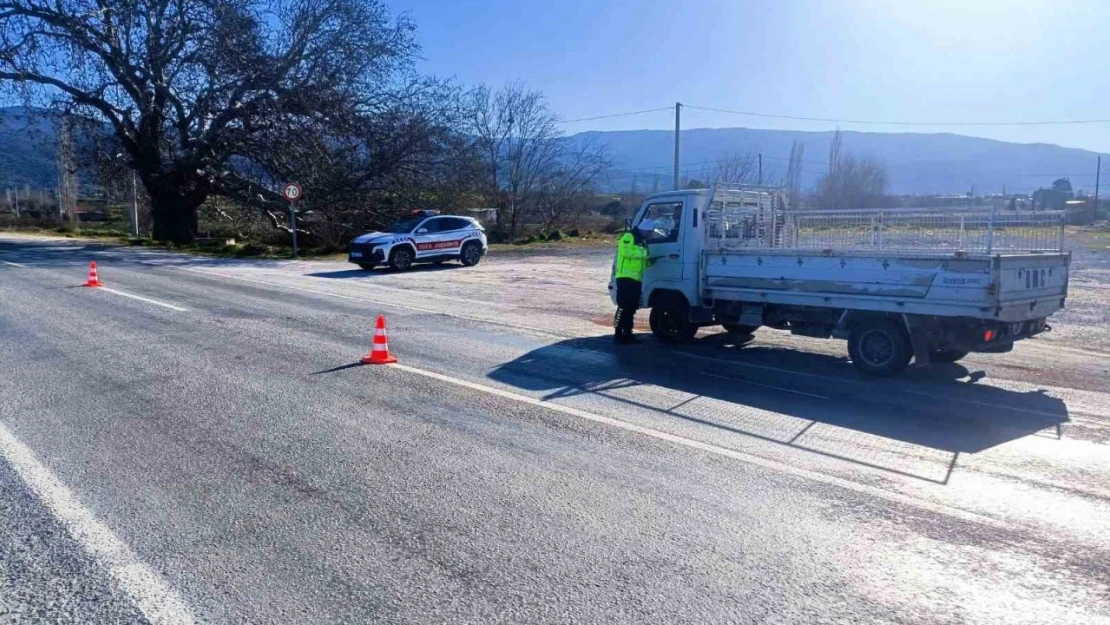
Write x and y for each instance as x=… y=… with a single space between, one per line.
x=751 y=218
x=979 y=262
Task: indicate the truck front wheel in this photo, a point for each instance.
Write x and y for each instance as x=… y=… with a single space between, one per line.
x=670 y=322
x=880 y=347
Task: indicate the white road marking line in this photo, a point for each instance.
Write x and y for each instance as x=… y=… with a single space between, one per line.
x=144 y=299
x=376 y=303
x=13 y=264
x=159 y=603
x=777 y=388
x=714 y=449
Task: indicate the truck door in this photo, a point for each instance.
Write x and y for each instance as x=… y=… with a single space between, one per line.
x=665 y=241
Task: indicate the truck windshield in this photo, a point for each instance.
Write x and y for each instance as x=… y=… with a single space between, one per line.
x=403 y=226
x=667 y=217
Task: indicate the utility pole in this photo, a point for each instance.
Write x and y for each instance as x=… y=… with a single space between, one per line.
x=761 y=168
x=655 y=184
x=632 y=191
x=1098 y=174
x=134 y=205
x=677 y=129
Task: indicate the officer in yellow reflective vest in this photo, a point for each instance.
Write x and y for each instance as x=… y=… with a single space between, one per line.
x=632 y=258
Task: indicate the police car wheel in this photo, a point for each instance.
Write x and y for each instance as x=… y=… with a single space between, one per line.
x=471 y=254
x=400 y=259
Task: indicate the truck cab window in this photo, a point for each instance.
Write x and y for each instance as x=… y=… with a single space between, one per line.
x=668 y=219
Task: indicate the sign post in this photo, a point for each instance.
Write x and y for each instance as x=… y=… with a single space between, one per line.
x=292 y=192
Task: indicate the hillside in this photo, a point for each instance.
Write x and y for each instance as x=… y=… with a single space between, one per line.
x=917 y=163
x=27 y=149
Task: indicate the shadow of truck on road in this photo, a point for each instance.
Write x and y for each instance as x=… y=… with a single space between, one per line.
x=915 y=426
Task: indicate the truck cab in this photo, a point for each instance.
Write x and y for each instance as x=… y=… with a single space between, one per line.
x=928 y=284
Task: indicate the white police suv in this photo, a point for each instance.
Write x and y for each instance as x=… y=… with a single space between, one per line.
x=425 y=237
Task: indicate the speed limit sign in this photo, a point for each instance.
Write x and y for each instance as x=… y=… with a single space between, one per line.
x=292 y=191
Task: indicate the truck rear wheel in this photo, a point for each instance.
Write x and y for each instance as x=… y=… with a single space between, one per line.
x=880 y=347
x=670 y=321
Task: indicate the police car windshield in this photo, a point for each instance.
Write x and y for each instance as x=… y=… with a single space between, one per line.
x=404 y=226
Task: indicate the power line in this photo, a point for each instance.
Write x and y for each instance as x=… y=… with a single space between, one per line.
x=899 y=123
x=628 y=114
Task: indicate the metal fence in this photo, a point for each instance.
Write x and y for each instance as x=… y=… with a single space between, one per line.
x=765 y=225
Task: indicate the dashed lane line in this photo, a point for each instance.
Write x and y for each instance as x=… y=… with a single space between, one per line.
x=150 y=593
x=143 y=299
x=773 y=465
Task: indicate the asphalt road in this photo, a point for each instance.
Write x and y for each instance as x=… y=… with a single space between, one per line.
x=213 y=452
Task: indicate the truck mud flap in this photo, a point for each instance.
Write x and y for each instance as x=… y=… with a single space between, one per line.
x=919 y=340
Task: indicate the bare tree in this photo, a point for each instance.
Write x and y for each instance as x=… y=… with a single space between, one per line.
x=851 y=181
x=67 y=170
x=566 y=191
x=529 y=164
x=794 y=174
x=737 y=167
x=194 y=88
x=519 y=138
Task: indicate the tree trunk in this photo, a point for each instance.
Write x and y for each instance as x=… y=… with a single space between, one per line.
x=175 y=216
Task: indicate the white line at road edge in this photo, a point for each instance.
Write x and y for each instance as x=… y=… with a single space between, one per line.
x=13 y=264
x=714 y=449
x=144 y=299
x=157 y=601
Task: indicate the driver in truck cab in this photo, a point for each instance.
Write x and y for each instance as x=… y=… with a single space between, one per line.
x=632 y=258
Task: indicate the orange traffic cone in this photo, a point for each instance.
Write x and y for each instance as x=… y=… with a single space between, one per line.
x=93 y=279
x=379 y=353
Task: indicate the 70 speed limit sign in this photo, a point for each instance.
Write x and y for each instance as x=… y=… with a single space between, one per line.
x=292 y=191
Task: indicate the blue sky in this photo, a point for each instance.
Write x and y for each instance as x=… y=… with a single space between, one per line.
x=901 y=60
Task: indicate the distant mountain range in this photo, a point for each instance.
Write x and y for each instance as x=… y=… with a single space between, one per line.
x=917 y=163
x=28 y=150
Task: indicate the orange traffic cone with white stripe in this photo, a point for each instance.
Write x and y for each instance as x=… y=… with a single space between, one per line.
x=93 y=279
x=379 y=353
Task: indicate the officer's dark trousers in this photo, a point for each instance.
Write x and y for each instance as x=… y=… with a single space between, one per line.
x=628 y=300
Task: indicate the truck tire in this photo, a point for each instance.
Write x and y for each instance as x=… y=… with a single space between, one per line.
x=736 y=329
x=471 y=254
x=946 y=355
x=880 y=347
x=401 y=258
x=670 y=321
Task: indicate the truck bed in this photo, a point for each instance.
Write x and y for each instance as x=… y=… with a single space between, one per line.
x=1002 y=287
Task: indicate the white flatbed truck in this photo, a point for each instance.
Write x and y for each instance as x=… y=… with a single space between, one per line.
x=899 y=284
